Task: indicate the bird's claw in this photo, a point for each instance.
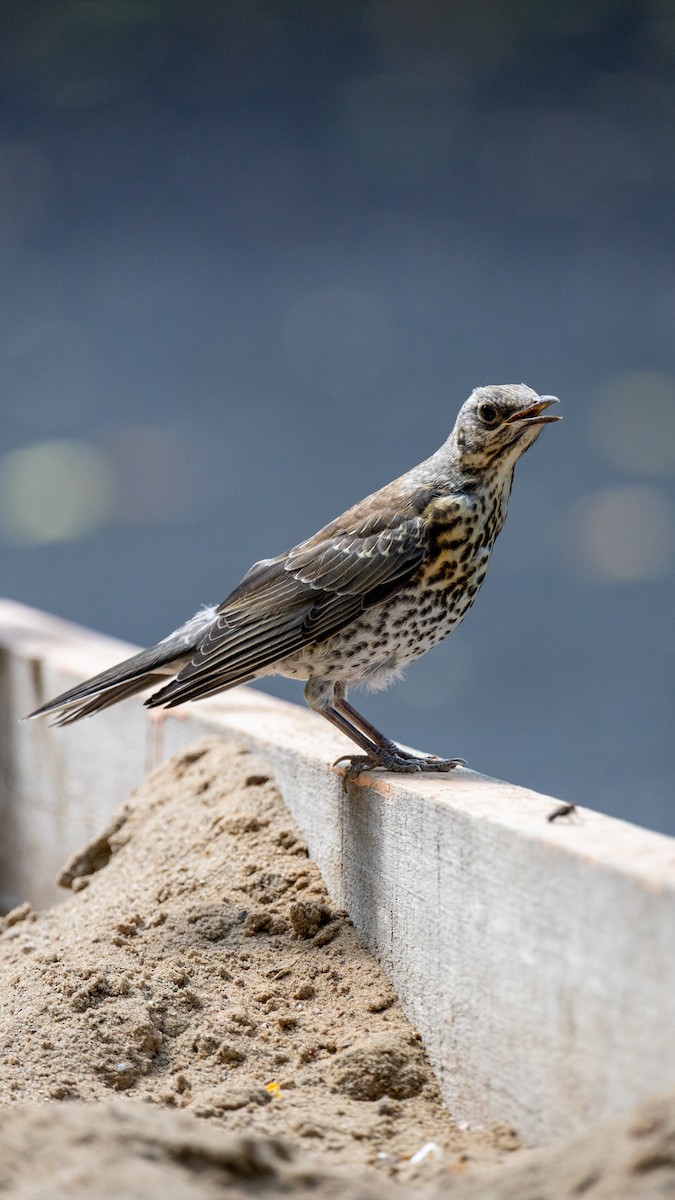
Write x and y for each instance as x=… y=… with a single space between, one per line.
x=356 y=764
x=401 y=764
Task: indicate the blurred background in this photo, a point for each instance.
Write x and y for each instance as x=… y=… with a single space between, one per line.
x=253 y=257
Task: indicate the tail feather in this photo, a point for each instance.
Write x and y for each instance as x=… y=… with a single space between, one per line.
x=133 y=675
x=166 y=697
x=70 y=714
x=132 y=671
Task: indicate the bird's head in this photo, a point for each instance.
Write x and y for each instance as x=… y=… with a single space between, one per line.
x=498 y=424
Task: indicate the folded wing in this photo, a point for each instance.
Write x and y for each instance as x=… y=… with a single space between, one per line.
x=285 y=604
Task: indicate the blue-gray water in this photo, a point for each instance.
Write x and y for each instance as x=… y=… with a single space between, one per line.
x=253 y=256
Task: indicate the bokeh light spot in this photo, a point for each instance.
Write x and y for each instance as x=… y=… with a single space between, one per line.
x=633 y=421
x=623 y=534
x=53 y=492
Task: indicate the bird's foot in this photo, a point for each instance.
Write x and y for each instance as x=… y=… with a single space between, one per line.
x=399 y=761
x=356 y=763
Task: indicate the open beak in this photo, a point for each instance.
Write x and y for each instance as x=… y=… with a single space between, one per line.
x=532 y=415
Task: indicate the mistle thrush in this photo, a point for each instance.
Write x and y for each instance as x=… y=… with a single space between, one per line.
x=356 y=602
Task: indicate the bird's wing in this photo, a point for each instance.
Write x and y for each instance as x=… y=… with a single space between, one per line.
x=300 y=599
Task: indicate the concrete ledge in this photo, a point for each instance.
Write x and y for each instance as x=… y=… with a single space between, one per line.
x=537 y=960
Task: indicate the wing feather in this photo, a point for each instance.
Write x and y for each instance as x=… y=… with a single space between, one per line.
x=305 y=597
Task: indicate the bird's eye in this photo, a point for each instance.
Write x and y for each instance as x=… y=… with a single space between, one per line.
x=487 y=413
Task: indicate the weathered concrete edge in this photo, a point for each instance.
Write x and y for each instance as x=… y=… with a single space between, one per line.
x=536 y=959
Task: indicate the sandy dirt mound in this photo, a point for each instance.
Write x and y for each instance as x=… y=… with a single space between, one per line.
x=199 y=966
x=632 y=1158
x=132 y=1151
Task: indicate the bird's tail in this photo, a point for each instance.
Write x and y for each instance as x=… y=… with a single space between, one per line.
x=70 y=706
x=125 y=679
x=135 y=674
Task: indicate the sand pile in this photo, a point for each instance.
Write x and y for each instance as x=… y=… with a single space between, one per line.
x=133 y=1151
x=199 y=966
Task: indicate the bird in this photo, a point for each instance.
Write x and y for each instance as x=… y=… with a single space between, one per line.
x=359 y=600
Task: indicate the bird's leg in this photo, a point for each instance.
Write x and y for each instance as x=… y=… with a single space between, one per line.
x=328 y=699
x=391 y=756
x=362 y=723
x=373 y=755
